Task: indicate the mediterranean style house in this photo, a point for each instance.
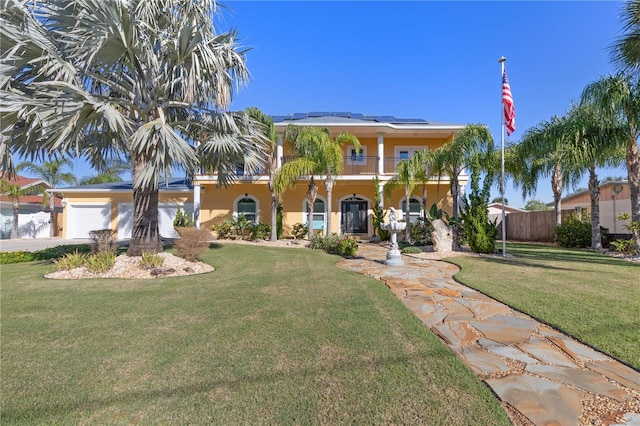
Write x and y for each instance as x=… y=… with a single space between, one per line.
x=384 y=140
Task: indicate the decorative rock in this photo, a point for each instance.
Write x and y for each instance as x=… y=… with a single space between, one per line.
x=505 y=328
x=441 y=236
x=162 y=272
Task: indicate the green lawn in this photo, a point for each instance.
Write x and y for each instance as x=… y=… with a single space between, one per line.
x=273 y=336
x=593 y=297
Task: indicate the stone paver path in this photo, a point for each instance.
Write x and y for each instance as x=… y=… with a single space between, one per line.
x=541 y=376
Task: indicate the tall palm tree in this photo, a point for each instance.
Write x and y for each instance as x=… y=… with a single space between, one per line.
x=450 y=161
x=14 y=191
x=597 y=146
x=269 y=132
x=53 y=173
x=409 y=174
x=316 y=153
x=625 y=51
x=148 y=80
x=545 y=151
x=617 y=99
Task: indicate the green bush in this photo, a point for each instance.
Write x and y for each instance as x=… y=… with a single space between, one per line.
x=183 y=220
x=45 y=254
x=100 y=262
x=151 y=260
x=574 y=232
x=70 y=261
x=344 y=245
x=223 y=230
x=411 y=249
x=260 y=231
x=420 y=232
x=624 y=246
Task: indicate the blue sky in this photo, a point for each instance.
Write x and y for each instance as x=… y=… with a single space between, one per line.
x=421 y=59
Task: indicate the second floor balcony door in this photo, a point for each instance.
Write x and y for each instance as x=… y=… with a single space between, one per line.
x=354 y=216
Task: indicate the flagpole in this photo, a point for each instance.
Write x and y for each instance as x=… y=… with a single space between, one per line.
x=504 y=223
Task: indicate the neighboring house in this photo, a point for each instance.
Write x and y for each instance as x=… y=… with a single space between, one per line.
x=33 y=217
x=384 y=140
x=494 y=213
x=615 y=198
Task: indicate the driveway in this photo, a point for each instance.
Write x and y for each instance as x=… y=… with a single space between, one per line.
x=35 y=244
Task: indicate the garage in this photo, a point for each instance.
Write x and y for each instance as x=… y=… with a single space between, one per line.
x=166 y=215
x=83 y=218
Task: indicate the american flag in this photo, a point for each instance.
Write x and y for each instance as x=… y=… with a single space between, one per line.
x=508 y=110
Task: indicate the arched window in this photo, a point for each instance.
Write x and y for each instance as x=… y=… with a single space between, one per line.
x=248 y=207
x=415 y=209
x=319 y=216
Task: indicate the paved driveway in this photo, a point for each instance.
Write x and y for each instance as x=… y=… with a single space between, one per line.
x=35 y=244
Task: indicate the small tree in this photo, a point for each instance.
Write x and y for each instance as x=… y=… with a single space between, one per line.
x=378 y=212
x=480 y=232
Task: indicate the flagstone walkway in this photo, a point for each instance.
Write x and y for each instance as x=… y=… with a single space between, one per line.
x=541 y=376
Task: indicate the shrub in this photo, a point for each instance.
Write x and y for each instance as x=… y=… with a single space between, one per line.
x=342 y=245
x=574 y=232
x=70 y=261
x=45 y=254
x=104 y=240
x=260 y=231
x=411 y=249
x=420 y=232
x=240 y=225
x=300 y=230
x=193 y=242
x=223 y=230
x=100 y=262
x=347 y=246
x=624 y=246
x=183 y=219
x=151 y=260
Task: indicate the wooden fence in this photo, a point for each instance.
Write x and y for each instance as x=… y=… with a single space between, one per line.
x=532 y=226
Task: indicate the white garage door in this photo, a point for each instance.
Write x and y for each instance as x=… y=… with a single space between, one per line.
x=166 y=215
x=83 y=218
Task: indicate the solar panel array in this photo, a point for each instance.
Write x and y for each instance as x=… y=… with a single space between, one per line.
x=349 y=115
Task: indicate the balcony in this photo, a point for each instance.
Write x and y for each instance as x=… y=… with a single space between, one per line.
x=362 y=165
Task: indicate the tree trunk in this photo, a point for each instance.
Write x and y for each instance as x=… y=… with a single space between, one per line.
x=52 y=215
x=329 y=184
x=407 y=212
x=594 y=192
x=312 y=193
x=16 y=217
x=456 y=216
x=556 y=187
x=633 y=171
x=145 y=235
x=274 y=217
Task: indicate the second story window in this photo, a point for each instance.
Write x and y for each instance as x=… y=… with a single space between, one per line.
x=356 y=156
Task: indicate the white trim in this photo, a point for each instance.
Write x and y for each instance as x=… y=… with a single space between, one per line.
x=360 y=157
x=251 y=197
x=305 y=212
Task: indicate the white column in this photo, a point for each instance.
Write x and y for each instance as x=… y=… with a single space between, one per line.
x=279 y=151
x=380 y=153
x=196 y=203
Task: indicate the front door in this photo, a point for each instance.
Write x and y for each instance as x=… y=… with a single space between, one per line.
x=354 y=217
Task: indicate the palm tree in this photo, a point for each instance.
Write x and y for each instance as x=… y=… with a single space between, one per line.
x=450 y=160
x=14 y=191
x=269 y=132
x=143 y=79
x=596 y=146
x=53 y=173
x=545 y=151
x=625 y=51
x=409 y=174
x=617 y=100
x=316 y=153
x=114 y=168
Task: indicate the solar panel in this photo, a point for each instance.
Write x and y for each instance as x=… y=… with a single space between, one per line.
x=341 y=114
x=299 y=116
